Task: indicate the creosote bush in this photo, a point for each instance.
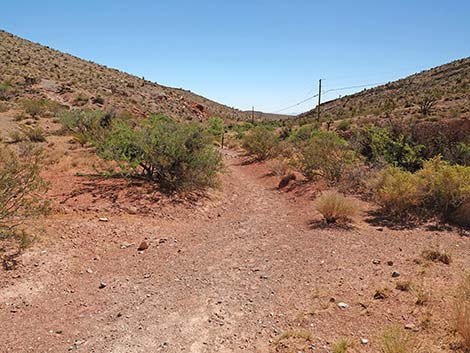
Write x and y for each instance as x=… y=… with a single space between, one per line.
x=176 y=156
x=325 y=155
x=335 y=207
x=261 y=142
x=21 y=191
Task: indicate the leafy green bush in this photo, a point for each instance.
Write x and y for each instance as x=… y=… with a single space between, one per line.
x=176 y=156
x=380 y=145
x=87 y=125
x=438 y=190
x=325 y=155
x=261 y=142
x=303 y=132
x=216 y=128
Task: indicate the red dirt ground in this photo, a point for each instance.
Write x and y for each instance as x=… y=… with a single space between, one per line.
x=230 y=272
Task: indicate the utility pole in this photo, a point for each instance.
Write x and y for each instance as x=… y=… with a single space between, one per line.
x=253 y=114
x=319 y=100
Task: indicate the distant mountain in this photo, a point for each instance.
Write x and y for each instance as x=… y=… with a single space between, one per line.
x=35 y=70
x=449 y=84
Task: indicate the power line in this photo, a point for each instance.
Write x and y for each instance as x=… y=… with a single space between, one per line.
x=352 y=87
x=327 y=91
x=295 y=105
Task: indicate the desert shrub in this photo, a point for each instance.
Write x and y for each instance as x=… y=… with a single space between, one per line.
x=54 y=108
x=261 y=142
x=427 y=101
x=335 y=207
x=437 y=255
x=396 y=340
x=81 y=99
x=34 y=134
x=278 y=167
x=399 y=192
x=381 y=146
x=461 y=311
x=325 y=155
x=98 y=100
x=344 y=125
x=438 y=190
x=341 y=346
x=5 y=90
x=3 y=107
x=447 y=187
x=21 y=186
x=33 y=107
x=86 y=125
x=16 y=136
x=176 y=156
x=303 y=132
x=216 y=128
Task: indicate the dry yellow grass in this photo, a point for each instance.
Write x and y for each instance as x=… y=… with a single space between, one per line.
x=462 y=311
x=336 y=208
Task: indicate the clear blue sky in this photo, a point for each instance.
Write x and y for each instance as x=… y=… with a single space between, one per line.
x=251 y=52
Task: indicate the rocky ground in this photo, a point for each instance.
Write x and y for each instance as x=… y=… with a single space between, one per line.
x=244 y=269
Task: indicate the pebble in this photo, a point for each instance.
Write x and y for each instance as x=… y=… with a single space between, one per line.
x=103 y=219
x=102 y=285
x=143 y=246
x=376 y=262
x=364 y=341
x=343 y=305
x=411 y=327
x=395 y=274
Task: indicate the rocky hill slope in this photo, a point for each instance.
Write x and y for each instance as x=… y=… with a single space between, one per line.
x=31 y=70
x=448 y=86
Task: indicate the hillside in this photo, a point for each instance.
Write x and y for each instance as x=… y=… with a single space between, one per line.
x=450 y=83
x=33 y=70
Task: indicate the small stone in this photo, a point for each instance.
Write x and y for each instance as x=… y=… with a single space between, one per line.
x=343 y=305
x=411 y=327
x=143 y=246
x=390 y=263
x=102 y=285
x=376 y=262
x=89 y=270
x=126 y=245
x=380 y=229
x=103 y=219
x=395 y=274
x=364 y=341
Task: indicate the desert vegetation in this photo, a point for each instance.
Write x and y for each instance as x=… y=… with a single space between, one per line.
x=370 y=202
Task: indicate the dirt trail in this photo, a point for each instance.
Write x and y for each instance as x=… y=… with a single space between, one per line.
x=230 y=279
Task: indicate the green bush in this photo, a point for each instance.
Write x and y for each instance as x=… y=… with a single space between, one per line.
x=33 y=107
x=380 y=145
x=438 y=190
x=176 y=156
x=216 y=128
x=303 y=132
x=325 y=155
x=399 y=192
x=87 y=125
x=261 y=142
